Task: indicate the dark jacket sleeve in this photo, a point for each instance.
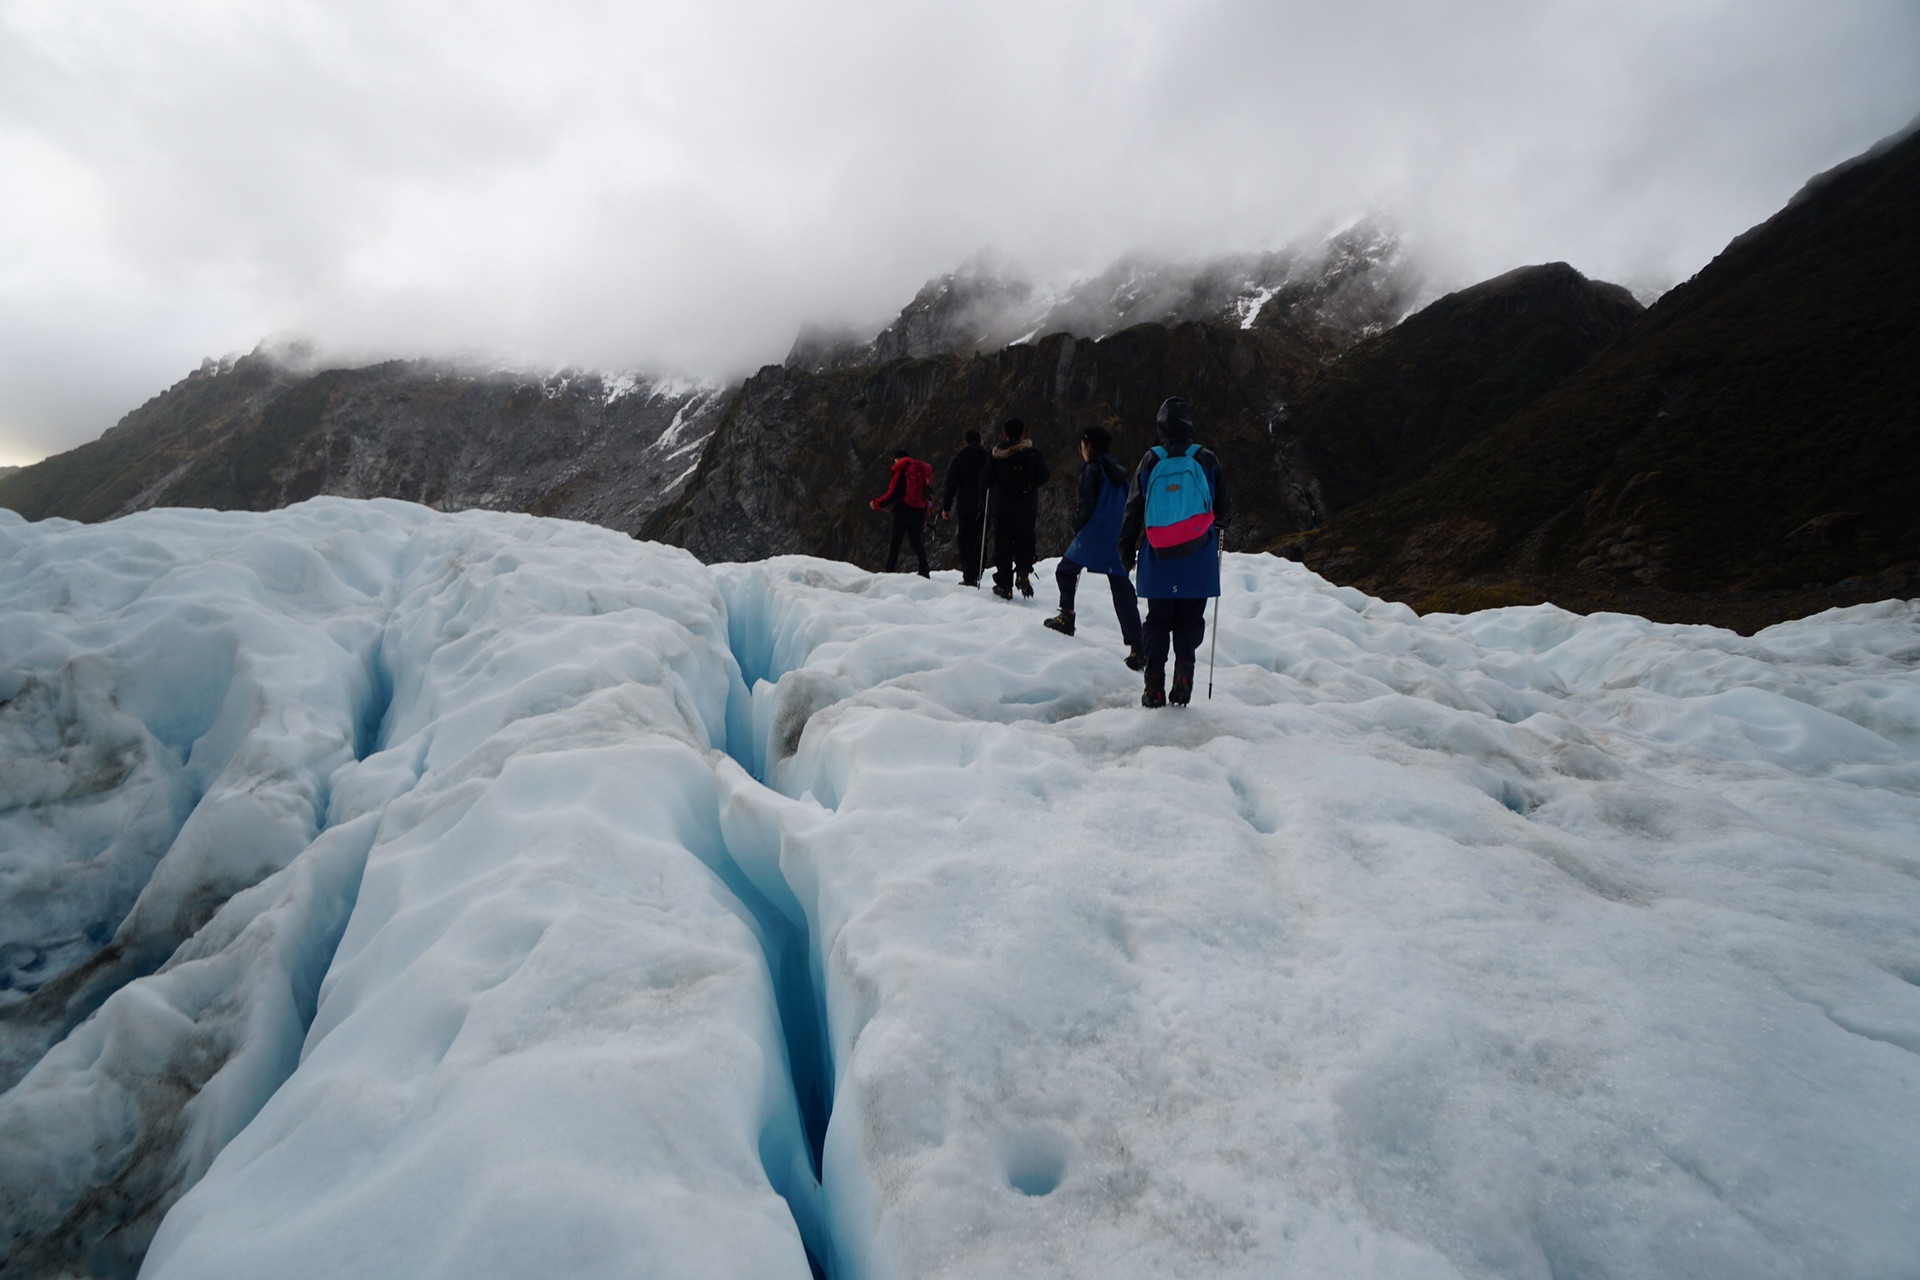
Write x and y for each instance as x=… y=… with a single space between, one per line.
x=1134 y=521
x=1222 y=500
x=952 y=490
x=1092 y=479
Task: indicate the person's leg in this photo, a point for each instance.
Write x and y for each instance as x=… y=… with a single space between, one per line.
x=1126 y=607
x=1154 y=634
x=899 y=531
x=916 y=538
x=1067 y=578
x=1004 y=527
x=1189 y=626
x=1189 y=629
x=971 y=525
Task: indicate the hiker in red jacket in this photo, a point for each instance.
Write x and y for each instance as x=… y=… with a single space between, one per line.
x=907 y=493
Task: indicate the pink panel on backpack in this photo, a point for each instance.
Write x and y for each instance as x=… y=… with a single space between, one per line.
x=1183 y=531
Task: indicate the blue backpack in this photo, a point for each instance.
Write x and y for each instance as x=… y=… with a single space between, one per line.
x=1179 y=513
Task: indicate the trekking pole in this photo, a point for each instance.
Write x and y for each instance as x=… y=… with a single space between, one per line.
x=1213 y=652
x=980 y=565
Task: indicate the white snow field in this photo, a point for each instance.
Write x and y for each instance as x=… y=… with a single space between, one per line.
x=458 y=911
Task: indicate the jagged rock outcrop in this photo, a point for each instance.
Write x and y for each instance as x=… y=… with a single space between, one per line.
x=260 y=433
x=1747 y=452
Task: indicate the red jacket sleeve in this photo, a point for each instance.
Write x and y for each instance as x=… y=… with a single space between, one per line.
x=896 y=484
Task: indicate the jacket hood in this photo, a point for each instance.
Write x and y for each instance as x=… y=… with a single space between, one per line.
x=1006 y=450
x=1111 y=466
x=1174 y=423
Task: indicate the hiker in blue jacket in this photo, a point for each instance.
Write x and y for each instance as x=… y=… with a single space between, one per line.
x=1181 y=515
x=1097 y=509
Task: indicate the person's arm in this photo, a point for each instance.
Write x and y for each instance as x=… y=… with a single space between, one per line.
x=1092 y=480
x=952 y=490
x=1222 y=500
x=895 y=485
x=1135 y=519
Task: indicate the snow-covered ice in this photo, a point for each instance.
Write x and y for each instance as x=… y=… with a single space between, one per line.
x=490 y=896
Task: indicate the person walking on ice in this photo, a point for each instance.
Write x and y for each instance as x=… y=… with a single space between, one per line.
x=908 y=494
x=965 y=499
x=1014 y=475
x=1097 y=509
x=1176 y=510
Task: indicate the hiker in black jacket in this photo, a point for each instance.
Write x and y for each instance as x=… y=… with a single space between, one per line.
x=1014 y=475
x=1097 y=510
x=966 y=498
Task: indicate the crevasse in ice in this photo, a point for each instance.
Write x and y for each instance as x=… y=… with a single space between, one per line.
x=395 y=893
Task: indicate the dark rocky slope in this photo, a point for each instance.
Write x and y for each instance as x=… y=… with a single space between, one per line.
x=1749 y=451
x=798 y=455
x=255 y=434
x=1401 y=402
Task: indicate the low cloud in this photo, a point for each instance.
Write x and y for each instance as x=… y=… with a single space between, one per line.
x=682 y=186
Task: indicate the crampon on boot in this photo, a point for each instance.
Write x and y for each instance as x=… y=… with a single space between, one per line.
x=1061 y=622
x=1182 y=692
x=1025 y=584
x=1155 y=694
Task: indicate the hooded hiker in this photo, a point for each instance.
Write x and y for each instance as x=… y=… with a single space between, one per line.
x=1097 y=510
x=1014 y=475
x=908 y=494
x=1179 y=503
x=966 y=498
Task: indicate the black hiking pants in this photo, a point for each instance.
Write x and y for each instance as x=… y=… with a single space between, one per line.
x=909 y=523
x=1012 y=546
x=1126 y=606
x=970 y=539
x=1184 y=622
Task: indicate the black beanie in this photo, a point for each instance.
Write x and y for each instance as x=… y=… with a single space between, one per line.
x=1100 y=438
x=901 y=453
x=1013 y=428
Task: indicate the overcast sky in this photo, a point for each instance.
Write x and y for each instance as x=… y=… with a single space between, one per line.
x=680 y=185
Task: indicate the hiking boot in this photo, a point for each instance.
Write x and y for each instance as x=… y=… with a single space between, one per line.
x=1061 y=622
x=1182 y=692
x=1155 y=694
x=1136 y=660
x=1025 y=584
x=1004 y=592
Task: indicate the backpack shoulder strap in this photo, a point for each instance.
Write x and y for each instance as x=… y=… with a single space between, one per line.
x=1193 y=451
x=1159 y=452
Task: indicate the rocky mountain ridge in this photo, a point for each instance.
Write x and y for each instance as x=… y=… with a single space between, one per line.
x=1747 y=451
x=259 y=433
x=1358 y=281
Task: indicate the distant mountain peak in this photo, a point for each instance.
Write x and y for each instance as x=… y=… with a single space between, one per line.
x=1356 y=282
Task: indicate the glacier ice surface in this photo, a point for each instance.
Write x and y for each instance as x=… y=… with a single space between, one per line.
x=472 y=894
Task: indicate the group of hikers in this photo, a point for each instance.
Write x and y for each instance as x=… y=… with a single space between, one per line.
x=1162 y=527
